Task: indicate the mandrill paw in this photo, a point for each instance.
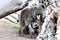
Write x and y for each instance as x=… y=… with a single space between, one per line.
x=21 y=34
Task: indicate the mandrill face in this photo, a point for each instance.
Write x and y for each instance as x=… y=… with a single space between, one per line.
x=38 y=18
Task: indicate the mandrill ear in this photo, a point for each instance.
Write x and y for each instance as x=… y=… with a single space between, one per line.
x=38 y=16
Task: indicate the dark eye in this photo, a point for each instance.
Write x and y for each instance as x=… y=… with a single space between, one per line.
x=42 y=6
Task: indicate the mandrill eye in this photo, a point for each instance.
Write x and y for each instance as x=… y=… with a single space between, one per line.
x=42 y=6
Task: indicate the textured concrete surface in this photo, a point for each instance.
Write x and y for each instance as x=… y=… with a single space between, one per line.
x=11 y=33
